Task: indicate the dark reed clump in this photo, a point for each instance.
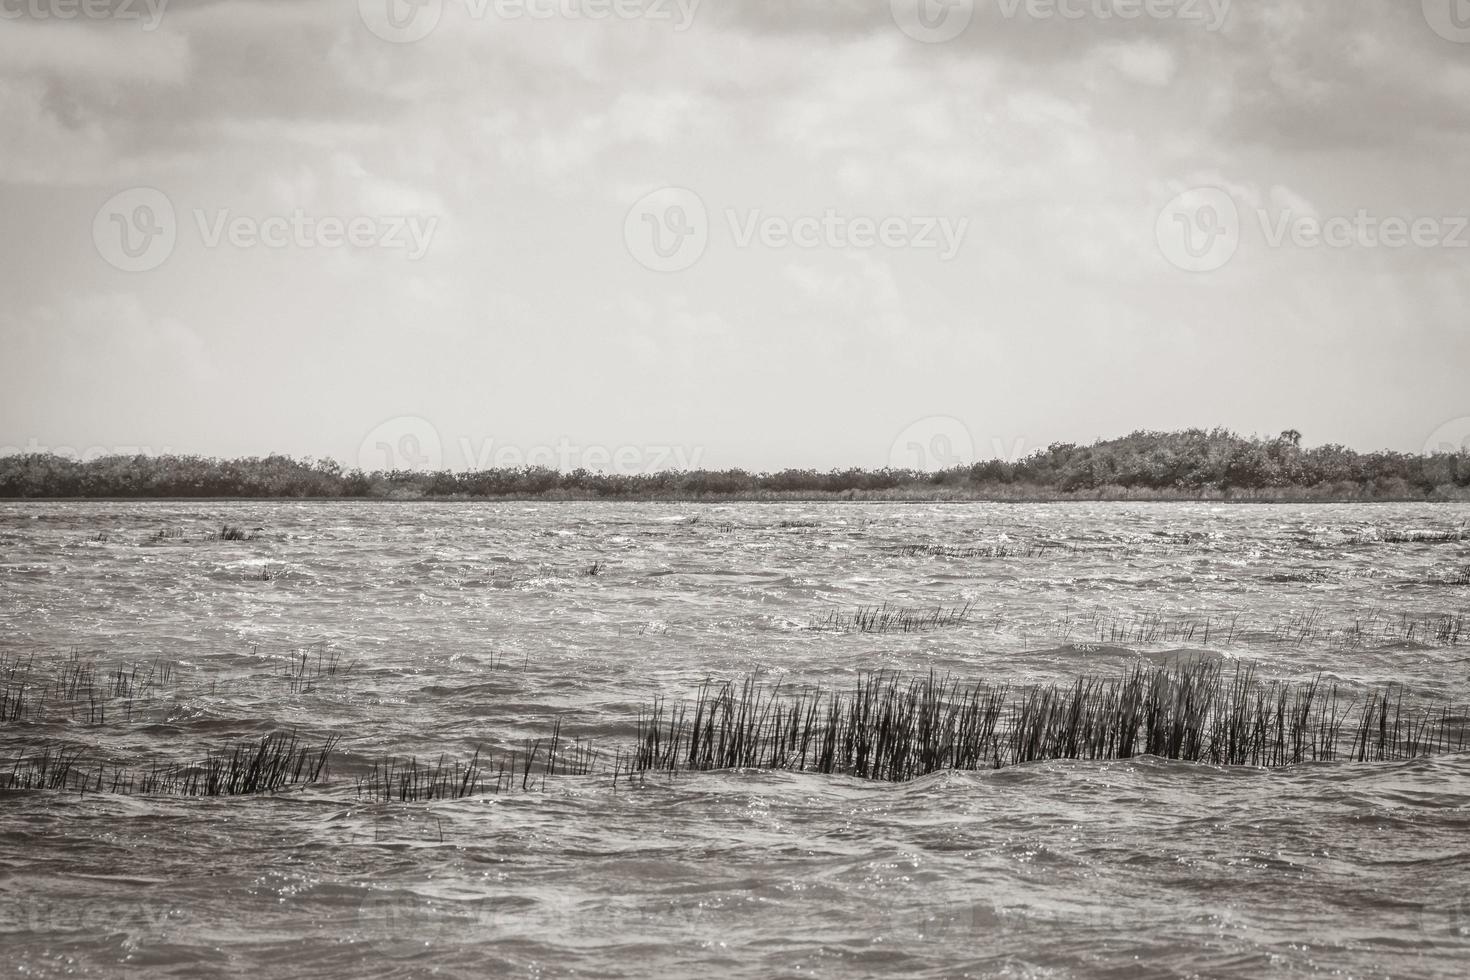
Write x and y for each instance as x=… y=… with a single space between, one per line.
x=275 y=762
x=409 y=781
x=229 y=532
x=889 y=728
x=53 y=767
x=886 y=618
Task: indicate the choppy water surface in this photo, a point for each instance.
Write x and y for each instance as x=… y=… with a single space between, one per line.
x=465 y=625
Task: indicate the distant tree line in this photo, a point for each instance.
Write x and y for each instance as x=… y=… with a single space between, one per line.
x=1193 y=464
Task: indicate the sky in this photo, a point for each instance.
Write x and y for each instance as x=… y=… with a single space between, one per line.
x=646 y=234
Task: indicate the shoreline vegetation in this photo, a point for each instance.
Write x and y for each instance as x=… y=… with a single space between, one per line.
x=1192 y=465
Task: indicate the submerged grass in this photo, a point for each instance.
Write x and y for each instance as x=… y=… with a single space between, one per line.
x=1309 y=626
x=275 y=762
x=308 y=668
x=886 y=618
x=393 y=780
x=889 y=728
x=78 y=689
x=885 y=727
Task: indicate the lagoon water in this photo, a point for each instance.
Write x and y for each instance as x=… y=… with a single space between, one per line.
x=465 y=625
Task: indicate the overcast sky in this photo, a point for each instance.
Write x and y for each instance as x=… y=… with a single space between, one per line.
x=756 y=233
